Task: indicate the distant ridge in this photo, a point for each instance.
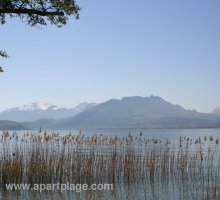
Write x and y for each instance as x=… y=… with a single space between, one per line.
x=36 y=111
x=9 y=125
x=216 y=111
x=135 y=112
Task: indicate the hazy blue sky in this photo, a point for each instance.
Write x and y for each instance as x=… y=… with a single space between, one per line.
x=118 y=48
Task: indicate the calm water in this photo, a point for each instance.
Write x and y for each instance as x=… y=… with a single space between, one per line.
x=140 y=190
x=171 y=134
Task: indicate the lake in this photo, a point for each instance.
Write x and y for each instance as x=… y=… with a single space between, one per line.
x=184 y=187
x=172 y=134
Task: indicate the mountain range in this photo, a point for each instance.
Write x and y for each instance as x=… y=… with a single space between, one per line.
x=128 y=112
x=216 y=111
x=10 y=125
x=36 y=111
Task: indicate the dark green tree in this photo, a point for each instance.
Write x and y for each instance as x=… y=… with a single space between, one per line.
x=38 y=12
x=3 y=54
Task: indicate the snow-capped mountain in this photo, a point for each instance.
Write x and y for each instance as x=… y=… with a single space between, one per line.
x=37 y=106
x=216 y=111
x=33 y=107
x=35 y=111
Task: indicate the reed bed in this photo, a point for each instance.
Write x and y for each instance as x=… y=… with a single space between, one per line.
x=51 y=158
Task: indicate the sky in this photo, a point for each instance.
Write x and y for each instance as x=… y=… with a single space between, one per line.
x=118 y=48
